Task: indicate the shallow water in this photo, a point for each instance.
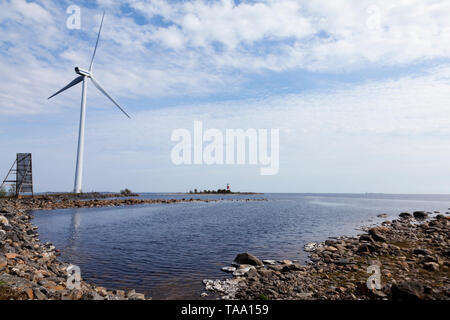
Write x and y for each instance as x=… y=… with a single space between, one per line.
x=166 y=250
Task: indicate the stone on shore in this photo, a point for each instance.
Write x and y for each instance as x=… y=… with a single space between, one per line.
x=413 y=257
x=228 y=269
x=248 y=258
x=409 y=290
x=420 y=215
x=405 y=215
x=376 y=234
x=29 y=269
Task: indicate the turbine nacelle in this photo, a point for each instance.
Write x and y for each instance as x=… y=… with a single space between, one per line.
x=82 y=72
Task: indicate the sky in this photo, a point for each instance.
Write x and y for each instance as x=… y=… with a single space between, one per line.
x=359 y=91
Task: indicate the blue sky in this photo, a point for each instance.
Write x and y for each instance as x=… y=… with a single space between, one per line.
x=359 y=91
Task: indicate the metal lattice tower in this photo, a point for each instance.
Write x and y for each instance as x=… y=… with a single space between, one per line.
x=24 y=174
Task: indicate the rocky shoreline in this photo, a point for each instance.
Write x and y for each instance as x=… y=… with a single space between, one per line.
x=31 y=270
x=412 y=254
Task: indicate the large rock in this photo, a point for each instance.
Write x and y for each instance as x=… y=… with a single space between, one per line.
x=409 y=290
x=377 y=235
x=405 y=215
x=420 y=215
x=248 y=258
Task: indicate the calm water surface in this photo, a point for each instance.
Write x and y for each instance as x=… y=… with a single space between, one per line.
x=166 y=250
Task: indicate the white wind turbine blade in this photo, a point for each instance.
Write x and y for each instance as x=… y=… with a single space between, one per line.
x=99 y=87
x=96 y=44
x=74 y=82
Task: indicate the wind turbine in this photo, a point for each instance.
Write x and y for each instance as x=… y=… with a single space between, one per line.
x=83 y=76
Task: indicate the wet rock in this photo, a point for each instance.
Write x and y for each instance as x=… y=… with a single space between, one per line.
x=228 y=269
x=248 y=258
x=405 y=215
x=420 y=215
x=269 y=262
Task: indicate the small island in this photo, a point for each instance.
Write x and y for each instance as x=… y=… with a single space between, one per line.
x=219 y=191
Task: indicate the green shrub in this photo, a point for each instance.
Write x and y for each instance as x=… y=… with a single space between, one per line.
x=126 y=192
x=262 y=296
x=3 y=192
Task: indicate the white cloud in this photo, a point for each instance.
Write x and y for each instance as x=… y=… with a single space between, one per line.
x=384 y=136
x=204 y=47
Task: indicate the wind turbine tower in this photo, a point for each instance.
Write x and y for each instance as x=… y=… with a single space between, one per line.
x=83 y=76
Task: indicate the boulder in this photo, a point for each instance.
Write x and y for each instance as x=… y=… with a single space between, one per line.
x=377 y=235
x=405 y=215
x=248 y=258
x=408 y=290
x=420 y=215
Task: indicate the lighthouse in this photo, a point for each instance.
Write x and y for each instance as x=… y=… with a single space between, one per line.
x=228 y=187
